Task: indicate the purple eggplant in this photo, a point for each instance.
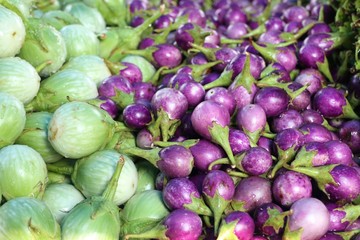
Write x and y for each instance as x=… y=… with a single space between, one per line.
x=131 y=72
x=179 y=224
x=288 y=119
x=169 y=105
x=206 y=152
x=143 y=91
x=254 y=161
x=339 y=153
x=349 y=133
x=194 y=93
x=274 y=23
x=273 y=100
x=239 y=141
x=291 y=186
x=313 y=56
x=340 y=182
x=296 y=13
x=234 y=14
x=189 y=33
x=218 y=190
x=236 y=30
x=332 y=103
x=311 y=77
x=195 y=16
x=106 y=104
x=250 y=193
x=311 y=154
x=252 y=120
x=301 y=101
x=314 y=132
x=175 y=161
x=181 y=193
x=144 y=139
x=136 y=116
x=309 y=219
x=179 y=79
x=269 y=219
x=222 y=96
x=313 y=116
x=211 y=121
x=237 y=225
x=163 y=21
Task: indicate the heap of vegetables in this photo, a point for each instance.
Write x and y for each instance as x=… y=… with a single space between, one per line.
x=180 y=119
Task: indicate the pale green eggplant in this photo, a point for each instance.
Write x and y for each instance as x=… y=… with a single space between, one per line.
x=61 y=198
x=35 y=136
x=19 y=78
x=91 y=65
x=61 y=87
x=23 y=8
x=27 y=218
x=80 y=40
x=12 y=119
x=12 y=32
x=78 y=129
x=23 y=172
x=88 y=16
x=59 y=19
x=143 y=212
x=147 y=175
x=44 y=47
x=96 y=218
x=92 y=182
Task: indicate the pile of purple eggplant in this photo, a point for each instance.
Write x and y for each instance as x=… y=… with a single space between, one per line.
x=250 y=112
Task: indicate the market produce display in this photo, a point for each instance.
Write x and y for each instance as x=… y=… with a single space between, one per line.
x=179 y=120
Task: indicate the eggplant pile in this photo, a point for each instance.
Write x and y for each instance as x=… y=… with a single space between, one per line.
x=180 y=120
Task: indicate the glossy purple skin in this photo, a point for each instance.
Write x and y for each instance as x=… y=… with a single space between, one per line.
x=138 y=5
x=238 y=140
x=183 y=224
x=226 y=55
x=320 y=28
x=245 y=226
x=349 y=133
x=311 y=215
x=114 y=83
x=236 y=30
x=312 y=116
x=179 y=192
x=253 y=191
x=295 y=14
x=331 y=236
x=136 y=116
x=274 y=23
x=322 y=40
x=310 y=55
x=314 y=132
x=162 y=22
x=339 y=153
x=270 y=37
x=242 y=95
x=329 y=102
x=289 y=138
x=322 y=155
x=251 y=118
x=210 y=77
x=172 y=101
x=313 y=77
x=205 y=152
x=261 y=215
x=179 y=79
x=217 y=182
x=167 y=55
x=194 y=93
x=336 y=217
x=288 y=119
x=131 y=72
x=110 y=107
x=273 y=100
x=233 y=15
x=183 y=38
x=267 y=144
x=222 y=96
x=198 y=59
x=146 y=42
x=237 y=64
x=293 y=27
x=348 y=180
x=213 y=38
x=286 y=57
x=136 y=21
x=205 y=114
x=144 y=139
x=256 y=161
x=196 y=16
x=143 y=91
x=175 y=161
x=290 y=187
